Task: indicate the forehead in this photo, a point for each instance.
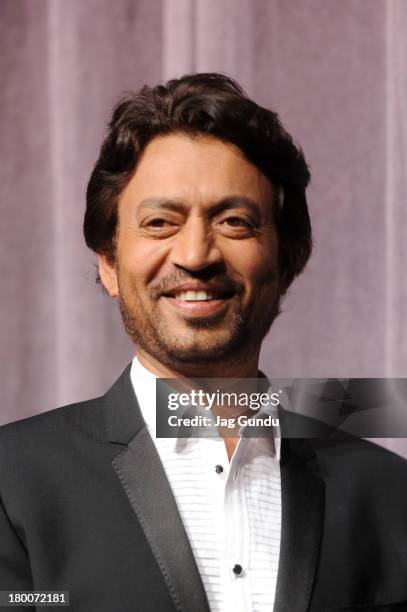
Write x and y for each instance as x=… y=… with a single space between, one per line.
x=197 y=170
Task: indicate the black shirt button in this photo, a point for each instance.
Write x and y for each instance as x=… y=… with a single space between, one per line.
x=237 y=569
x=218 y=469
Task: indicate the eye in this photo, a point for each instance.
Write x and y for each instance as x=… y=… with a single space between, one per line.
x=237 y=222
x=159 y=227
x=157 y=223
x=237 y=226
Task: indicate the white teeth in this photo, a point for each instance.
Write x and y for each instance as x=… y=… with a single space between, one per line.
x=194 y=296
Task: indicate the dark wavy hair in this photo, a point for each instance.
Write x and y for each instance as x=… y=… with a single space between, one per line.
x=203 y=103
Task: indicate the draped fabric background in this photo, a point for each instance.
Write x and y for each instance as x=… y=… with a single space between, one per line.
x=337 y=74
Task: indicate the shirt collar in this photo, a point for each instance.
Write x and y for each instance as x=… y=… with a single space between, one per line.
x=143 y=382
x=144 y=385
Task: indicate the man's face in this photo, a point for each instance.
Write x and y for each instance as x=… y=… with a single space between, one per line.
x=196 y=263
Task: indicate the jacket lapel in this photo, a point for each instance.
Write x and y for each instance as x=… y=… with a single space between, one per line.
x=302 y=494
x=143 y=478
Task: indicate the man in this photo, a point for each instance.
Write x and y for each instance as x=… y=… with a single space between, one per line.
x=196 y=209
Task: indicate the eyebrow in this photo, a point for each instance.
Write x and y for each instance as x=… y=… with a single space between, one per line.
x=179 y=206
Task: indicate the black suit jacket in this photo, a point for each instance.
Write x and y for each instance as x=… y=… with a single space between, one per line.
x=86 y=507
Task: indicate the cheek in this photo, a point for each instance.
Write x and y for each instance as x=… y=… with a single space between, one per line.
x=141 y=261
x=255 y=264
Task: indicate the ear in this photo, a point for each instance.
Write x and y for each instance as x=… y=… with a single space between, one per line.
x=285 y=283
x=108 y=275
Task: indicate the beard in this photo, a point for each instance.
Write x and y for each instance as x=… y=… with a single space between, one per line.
x=230 y=339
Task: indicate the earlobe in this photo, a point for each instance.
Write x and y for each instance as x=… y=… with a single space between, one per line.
x=108 y=275
x=284 y=286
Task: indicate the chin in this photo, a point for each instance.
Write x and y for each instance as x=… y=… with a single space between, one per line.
x=206 y=349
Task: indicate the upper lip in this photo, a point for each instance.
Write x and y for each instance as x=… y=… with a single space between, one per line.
x=215 y=290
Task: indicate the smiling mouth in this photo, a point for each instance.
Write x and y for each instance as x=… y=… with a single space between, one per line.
x=199 y=303
x=199 y=296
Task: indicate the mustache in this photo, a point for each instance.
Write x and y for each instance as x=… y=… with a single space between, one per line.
x=221 y=283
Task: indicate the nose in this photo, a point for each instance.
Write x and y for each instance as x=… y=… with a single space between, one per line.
x=195 y=248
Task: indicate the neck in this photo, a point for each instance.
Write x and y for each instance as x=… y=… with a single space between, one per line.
x=247 y=369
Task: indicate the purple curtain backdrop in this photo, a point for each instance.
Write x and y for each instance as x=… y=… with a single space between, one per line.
x=337 y=74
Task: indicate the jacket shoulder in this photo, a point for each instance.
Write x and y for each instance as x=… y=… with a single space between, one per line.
x=51 y=431
x=364 y=469
x=356 y=450
x=32 y=447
